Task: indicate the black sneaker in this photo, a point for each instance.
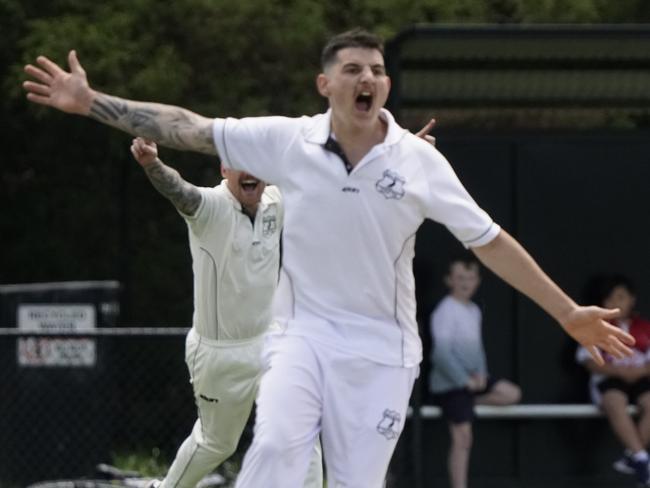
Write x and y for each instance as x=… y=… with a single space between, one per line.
x=624 y=464
x=641 y=471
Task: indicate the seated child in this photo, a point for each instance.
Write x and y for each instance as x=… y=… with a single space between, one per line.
x=459 y=376
x=621 y=382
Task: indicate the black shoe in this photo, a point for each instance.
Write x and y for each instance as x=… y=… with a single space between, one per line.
x=641 y=471
x=624 y=464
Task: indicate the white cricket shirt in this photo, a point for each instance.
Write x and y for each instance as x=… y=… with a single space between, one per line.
x=347 y=277
x=235 y=263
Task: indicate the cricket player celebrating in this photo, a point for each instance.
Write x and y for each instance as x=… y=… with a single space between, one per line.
x=356 y=187
x=234 y=233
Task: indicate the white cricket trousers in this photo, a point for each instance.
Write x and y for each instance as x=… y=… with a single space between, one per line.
x=358 y=406
x=225 y=377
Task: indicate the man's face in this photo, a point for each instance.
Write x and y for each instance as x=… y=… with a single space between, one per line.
x=463 y=280
x=356 y=85
x=245 y=188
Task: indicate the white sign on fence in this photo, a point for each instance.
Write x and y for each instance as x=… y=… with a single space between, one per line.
x=56 y=351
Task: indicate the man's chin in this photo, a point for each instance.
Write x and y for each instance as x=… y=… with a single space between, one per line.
x=250 y=200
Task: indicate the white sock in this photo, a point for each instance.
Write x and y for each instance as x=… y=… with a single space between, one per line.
x=641 y=456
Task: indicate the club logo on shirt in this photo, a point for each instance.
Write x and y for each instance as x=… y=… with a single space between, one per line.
x=389 y=424
x=391 y=185
x=269 y=225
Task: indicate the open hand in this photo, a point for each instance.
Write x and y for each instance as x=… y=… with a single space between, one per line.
x=589 y=326
x=55 y=87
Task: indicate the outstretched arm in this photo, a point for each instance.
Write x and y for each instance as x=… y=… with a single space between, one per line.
x=587 y=325
x=185 y=196
x=70 y=92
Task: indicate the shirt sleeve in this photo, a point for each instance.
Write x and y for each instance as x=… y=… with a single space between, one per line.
x=256 y=145
x=444 y=359
x=210 y=212
x=451 y=205
x=274 y=194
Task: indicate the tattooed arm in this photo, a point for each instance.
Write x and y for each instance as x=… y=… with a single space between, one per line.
x=167 y=125
x=185 y=196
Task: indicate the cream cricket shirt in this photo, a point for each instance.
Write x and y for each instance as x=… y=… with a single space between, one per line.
x=347 y=277
x=235 y=263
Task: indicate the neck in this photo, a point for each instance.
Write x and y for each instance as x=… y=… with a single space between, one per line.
x=348 y=131
x=249 y=210
x=355 y=139
x=460 y=298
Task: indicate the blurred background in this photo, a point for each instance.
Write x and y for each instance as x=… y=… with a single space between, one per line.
x=543 y=109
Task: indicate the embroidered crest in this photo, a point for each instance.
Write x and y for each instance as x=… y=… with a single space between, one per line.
x=391 y=185
x=269 y=225
x=389 y=424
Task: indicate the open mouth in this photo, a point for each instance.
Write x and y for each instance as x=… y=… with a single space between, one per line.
x=363 y=102
x=249 y=185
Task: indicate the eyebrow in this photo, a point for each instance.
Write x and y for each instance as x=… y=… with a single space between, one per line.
x=355 y=64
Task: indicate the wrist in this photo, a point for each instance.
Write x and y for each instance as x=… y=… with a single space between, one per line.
x=150 y=164
x=87 y=100
x=565 y=312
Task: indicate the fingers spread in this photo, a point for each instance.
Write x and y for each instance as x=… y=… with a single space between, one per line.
x=73 y=62
x=612 y=345
x=614 y=351
x=32 y=87
x=38 y=73
x=49 y=66
x=621 y=335
x=621 y=348
x=595 y=354
x=38 y=99
x=610 y=313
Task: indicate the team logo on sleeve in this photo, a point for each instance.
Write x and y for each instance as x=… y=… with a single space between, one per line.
x=389 y=424
x=391 y=185
x=269 y=225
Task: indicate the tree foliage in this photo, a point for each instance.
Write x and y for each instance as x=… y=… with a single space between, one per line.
x=75 y=204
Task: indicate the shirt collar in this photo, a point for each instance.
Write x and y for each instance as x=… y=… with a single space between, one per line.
x=228 y=193
x=320 y=131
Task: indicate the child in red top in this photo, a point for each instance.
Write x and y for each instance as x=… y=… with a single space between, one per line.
x=621 y=382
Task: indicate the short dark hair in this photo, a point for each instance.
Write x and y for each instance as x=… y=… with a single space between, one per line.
x=357 y=37
x=599 y=287
x=467 y=259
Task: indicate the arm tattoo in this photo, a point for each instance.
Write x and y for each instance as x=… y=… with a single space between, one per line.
x=167 y=125
x=185 y=196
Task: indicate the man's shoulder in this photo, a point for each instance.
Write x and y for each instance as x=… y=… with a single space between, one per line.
x=215 y=198
x=422 y=148
x=216 y=192
x=272 y=194
x=420 y=156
